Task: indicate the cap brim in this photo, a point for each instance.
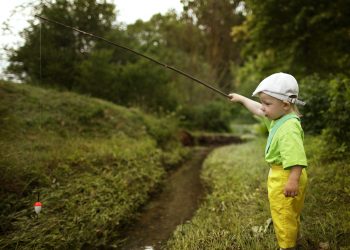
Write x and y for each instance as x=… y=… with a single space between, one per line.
x=284 y=98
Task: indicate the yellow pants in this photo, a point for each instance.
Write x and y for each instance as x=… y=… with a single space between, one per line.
x=285 y=211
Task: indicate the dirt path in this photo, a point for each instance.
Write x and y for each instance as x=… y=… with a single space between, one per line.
x=173 y=206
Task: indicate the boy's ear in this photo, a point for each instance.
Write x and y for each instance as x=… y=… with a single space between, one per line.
x=286 y=105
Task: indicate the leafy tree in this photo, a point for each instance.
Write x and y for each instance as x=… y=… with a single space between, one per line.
x=216 y=19
x=138 y=83
x=61 y=49
x=306 y=36
x=145 y=85
x=97 y=75
x=177 y=42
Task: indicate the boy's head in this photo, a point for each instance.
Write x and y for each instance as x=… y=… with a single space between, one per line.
x=278 y=94
x=281 y=86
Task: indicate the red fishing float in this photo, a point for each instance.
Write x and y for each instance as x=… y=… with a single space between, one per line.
x=37 y=207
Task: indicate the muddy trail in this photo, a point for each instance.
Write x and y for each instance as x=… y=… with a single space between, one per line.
x=174 y=205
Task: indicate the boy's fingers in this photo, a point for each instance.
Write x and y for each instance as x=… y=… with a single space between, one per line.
x=290 y=194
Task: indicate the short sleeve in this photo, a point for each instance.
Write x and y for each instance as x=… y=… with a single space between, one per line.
x=292 y=147
x=266 y=121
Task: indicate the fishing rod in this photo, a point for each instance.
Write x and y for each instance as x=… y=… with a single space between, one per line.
x=137 y=53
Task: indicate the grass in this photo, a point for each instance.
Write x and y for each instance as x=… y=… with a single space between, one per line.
x=235 y=212
x=327 y=214
x=94 y=164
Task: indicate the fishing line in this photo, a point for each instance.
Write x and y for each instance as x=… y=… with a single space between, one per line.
x=40 y=65
x=38 y=204
x=40 y=71
x=137 y=53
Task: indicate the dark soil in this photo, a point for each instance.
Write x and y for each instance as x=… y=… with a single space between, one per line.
x=176 y=204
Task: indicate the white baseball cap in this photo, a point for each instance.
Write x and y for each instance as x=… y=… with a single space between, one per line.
x=281 y=86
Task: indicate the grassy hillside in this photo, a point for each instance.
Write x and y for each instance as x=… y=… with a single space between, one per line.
x=93 y=163
x=235 y=214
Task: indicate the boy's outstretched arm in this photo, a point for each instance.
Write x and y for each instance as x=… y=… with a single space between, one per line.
x=253 y=106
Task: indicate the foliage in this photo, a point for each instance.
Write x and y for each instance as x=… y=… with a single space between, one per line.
x=97 y=75
x=51 y=53
x=212 y=116
x=138 y=84
x=145 y=84
x=123 y=78
x=315 y=92
x=94 y=164
x=248 y=76
x=308 y=38
x=237 y=204
x=177 y=42
x=338 y=119
x=164 y=34
x=162 y=130
x=216 y=19
x=327 y=101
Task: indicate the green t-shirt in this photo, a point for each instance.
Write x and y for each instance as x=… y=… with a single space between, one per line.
x=287 y=147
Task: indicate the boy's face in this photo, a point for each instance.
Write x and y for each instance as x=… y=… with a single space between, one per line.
x=272 y=107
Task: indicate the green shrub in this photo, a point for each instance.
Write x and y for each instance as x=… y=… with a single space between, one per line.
x=213 y=116
x=256 y=68
x=327 y=112
x=163 y=130
x=314 y=91
x=337 y=118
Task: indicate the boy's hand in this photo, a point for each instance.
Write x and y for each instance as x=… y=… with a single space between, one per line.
x=291 y=189
x=251 y=105
x=234 y=97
